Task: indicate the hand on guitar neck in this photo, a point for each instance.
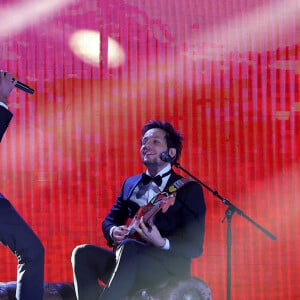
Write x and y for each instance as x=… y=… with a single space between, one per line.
x=149 y=233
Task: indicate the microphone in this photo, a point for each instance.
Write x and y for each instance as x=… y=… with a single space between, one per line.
x=24 y=87
x=166 y=157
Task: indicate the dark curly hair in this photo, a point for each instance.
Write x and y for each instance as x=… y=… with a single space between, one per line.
x=173 y=137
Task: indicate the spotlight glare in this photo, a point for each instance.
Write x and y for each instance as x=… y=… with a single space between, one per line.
x=86 y=45
x=116 y=55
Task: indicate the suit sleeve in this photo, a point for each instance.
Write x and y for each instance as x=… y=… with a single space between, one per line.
x=117 y=216
x=5 y=117
x=186 y=222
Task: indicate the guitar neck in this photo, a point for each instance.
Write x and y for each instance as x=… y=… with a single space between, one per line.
x=151 y=213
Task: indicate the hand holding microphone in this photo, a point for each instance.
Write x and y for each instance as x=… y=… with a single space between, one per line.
x=7 y=83
x=16 y=83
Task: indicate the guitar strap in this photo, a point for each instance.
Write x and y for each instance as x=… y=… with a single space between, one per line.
x=171 y=189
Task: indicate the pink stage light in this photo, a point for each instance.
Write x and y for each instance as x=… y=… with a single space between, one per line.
x=17 y=17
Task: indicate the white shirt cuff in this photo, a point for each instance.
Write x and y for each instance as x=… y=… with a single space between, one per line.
x=3 y=104
x=111 y=230
x=166 y=245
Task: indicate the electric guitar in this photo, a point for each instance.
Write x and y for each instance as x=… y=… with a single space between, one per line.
x=161 y=202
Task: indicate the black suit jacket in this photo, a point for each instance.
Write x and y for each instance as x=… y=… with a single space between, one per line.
x=183 y=223
x=5 y=117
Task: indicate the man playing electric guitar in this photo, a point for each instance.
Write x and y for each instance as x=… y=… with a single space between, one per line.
x=167 y=243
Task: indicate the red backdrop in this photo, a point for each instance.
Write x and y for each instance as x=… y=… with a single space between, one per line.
x=226 y=73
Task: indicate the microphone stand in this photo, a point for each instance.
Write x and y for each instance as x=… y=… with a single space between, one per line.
x=228 y=215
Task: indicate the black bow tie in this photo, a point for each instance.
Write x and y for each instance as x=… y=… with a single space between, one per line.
x=146 y=179
x=157 y=179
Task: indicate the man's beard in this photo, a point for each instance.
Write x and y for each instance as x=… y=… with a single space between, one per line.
x=155 y=163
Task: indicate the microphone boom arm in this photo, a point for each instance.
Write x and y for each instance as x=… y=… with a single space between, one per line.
x=225 y=201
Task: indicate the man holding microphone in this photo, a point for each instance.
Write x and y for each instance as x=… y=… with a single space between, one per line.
x=15 y=233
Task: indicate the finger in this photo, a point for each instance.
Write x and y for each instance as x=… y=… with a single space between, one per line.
x=151 y=222
x=123 y=231
x=146 y=230
x=121 y=234
x=147 y=226
x=117 y=233
x=136 y=225
x=9 y=77
x=14 y=81
x=142 y=225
